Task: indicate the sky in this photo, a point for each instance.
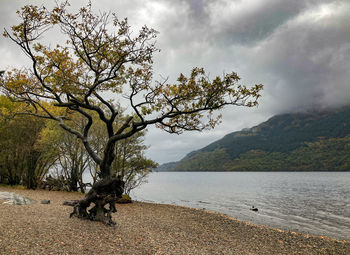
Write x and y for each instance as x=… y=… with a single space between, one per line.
x=299 y=50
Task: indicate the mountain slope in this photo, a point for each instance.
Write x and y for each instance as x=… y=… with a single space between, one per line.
x=314 y=141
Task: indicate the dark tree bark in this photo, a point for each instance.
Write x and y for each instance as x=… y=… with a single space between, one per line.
x=103 y=193
x=73 y=182
x=31 y=178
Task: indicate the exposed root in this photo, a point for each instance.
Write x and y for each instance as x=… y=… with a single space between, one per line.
x=102 y=193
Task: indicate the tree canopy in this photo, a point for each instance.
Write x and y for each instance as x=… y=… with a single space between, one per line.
x=101 y=57
x=25 y=153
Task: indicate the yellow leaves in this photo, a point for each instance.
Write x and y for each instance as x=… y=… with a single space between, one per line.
x=55 y=14
x=34 y=18
x=8 y=109
x=94 y=60
x=182 y=79
x=62 y=72
x=6 y=106
x=99 y=56
x=173 y=89
x=50 y=134
x=17 y=81
x=56 y=111
x=145 y=110
x=38 y=47
x=186 y=100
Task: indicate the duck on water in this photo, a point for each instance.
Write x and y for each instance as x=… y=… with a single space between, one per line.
x=254 y=209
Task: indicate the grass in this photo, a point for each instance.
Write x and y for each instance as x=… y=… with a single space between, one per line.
x=13 y=186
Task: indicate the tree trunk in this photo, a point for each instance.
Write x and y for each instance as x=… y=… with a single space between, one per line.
x=108 y=158
x=31 y=178
x=82 y=186
x=73 y=182
x=103 y=192
x=106 y=191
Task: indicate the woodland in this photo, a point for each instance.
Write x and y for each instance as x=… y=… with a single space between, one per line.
x=38 y=153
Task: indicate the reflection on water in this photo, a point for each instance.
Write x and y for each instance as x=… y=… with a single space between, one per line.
x=15 y=199
x=311 y=202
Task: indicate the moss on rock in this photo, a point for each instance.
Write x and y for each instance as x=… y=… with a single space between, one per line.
x=125 y=199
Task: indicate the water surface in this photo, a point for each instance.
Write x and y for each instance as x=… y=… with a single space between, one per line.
x=310 y=202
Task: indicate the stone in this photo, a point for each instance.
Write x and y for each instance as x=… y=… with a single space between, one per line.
x=71 y=202
x=125 y=199
x=45 y=202
x=15 y=199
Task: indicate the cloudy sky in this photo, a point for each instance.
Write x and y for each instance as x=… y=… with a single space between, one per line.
x=299 y=50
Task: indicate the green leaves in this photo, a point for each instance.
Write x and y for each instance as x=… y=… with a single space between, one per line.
x=26 y=153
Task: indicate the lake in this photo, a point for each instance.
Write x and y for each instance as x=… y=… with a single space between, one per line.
x=317 y=203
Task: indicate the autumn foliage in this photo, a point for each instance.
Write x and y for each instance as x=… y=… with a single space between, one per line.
x=102 y=59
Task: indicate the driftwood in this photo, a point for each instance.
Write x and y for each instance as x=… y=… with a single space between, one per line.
x=61 y=183
x=56 y=184
x=103 y=192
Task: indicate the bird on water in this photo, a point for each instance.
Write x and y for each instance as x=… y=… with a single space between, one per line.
x=254 y=209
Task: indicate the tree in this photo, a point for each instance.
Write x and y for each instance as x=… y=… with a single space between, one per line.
x=25 y=155
x=72 y=159
x=130 y=162
x=101 y=55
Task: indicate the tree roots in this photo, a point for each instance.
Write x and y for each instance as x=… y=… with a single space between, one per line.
x=106 y=191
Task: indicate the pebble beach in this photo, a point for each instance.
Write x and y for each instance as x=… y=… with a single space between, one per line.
x=143 y=228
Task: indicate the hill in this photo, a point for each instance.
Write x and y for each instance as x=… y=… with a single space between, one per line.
x=312 y=141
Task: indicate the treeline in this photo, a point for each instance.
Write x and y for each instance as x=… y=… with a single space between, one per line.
x=331 y=154
x=323 y=155
x=285 y=133
x=37 y=153
x=315 y=141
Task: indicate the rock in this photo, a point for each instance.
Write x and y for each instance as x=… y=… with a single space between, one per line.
x=71 y=202
x=15 y=199
x=45 y=202
x=125 y=199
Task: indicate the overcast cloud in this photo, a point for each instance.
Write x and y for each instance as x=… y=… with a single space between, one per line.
x=300 y=51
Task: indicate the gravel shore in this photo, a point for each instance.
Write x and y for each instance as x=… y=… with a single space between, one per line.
x=143 y=228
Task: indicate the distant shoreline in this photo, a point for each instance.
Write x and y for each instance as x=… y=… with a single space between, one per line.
x=272 y=171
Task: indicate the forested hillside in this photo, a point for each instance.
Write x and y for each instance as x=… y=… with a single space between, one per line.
x=314 y=141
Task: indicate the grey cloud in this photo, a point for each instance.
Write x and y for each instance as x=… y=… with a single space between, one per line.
x=301 y=58
x=226 y=22
x=253 y=21
x=303 y=63
x=306 y=61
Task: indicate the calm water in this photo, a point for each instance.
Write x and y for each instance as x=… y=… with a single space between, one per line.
x=313 y=202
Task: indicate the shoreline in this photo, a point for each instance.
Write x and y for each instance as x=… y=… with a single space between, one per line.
x=254 y=171
x=279 y=229
x=145 y=228
x=249 y=222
